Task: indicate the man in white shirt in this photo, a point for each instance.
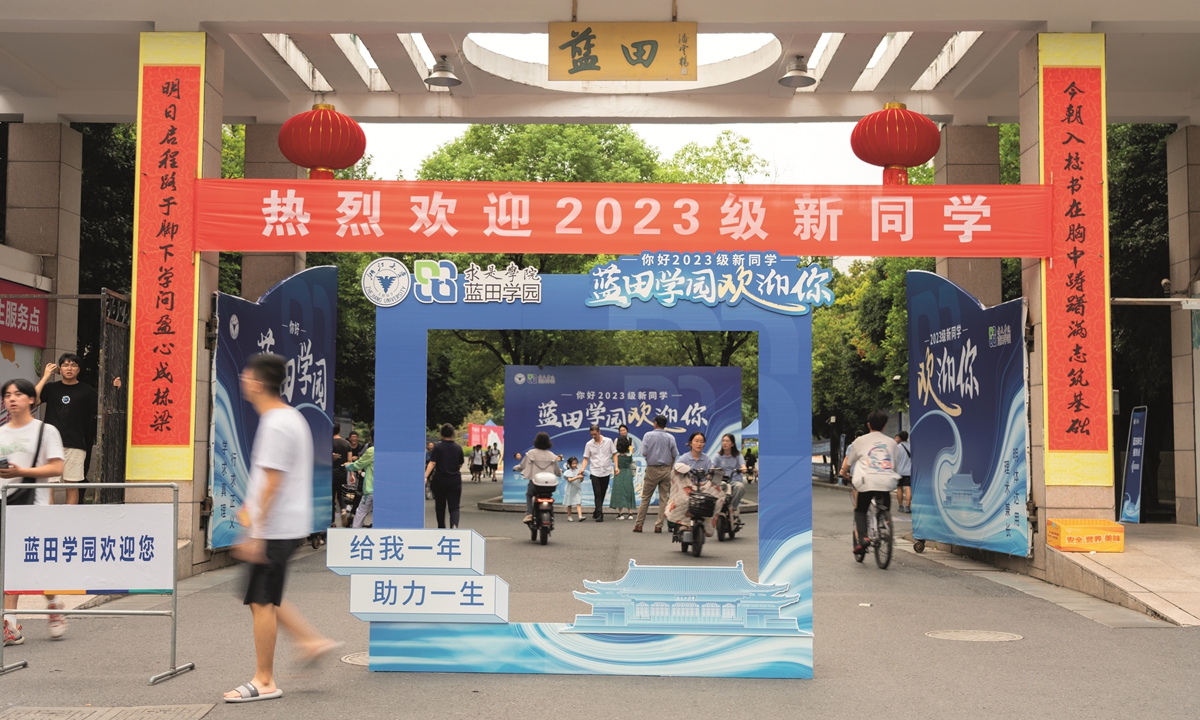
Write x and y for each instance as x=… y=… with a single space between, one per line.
x=276 y=516
x=871 y=464
x=31 y=450
x=904 y=468
x=601 y=456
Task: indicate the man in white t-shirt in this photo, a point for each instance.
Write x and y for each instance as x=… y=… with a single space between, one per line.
x=871 y=465
x=599 y=459
x=276 y=517
x=31 y=450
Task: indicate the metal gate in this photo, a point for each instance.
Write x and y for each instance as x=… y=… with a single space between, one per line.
x=112 y=401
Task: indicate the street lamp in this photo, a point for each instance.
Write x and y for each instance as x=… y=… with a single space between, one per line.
x=797 y=75
x=442 y=75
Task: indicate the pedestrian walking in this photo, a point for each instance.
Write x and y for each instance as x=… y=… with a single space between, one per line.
x=573 y=492
x=904 y=467
x=493 y=461
x=365 y=465
x=660 y=451
x=341 y=457
x=275 y=518
x=600 y=455
x=444 y=474
x=622 y=491
x=428 y=455
x=477 y=462
x=353 y=479
x=32 y=451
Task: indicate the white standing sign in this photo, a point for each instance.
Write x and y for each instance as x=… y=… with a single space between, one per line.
x=89 y=548
x=393 y=550
x=429 y=598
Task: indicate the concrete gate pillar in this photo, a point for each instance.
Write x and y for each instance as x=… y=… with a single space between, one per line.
x=193 y=555
x=45 y=175
x=261 y=271
x=970 y=155
x=1183 y=210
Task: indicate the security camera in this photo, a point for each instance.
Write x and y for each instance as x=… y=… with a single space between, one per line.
x=1166 y=286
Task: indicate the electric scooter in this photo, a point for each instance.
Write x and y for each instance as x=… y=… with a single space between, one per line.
x=542 y=522
x=728 y=524
x=690 y=532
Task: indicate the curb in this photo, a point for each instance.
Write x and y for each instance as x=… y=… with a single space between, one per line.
x=823 y=482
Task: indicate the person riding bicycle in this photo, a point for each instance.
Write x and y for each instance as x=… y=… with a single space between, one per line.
x=870 y=464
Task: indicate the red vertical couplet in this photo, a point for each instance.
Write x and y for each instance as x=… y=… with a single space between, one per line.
x=1076 y=291
x=169 y=160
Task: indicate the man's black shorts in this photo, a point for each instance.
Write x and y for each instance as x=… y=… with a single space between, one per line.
x=905 y=481
x=264 y=583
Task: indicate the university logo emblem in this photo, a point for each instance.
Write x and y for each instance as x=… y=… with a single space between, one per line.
x=386 y=282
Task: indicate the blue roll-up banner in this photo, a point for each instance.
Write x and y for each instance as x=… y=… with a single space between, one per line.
x=1135 y=457
x=566 y=401
x=296 y=319
x=968 y=377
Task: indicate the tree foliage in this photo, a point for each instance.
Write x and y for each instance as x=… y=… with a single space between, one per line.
x=105 y=228
x=468 y=364
x=730 y=159
x=233 y=166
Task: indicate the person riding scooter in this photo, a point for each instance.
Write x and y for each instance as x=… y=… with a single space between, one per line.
x=537 y=460
x=684 y=481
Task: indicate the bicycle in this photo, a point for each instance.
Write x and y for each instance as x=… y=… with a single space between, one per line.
x=879 y=536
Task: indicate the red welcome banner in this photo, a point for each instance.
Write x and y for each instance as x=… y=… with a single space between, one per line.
x=622 y=218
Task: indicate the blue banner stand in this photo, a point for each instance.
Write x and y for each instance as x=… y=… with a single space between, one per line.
x=785 y=497
x=1135 y=456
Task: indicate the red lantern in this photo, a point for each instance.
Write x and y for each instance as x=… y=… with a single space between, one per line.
x=323 y=140
x=895 y=138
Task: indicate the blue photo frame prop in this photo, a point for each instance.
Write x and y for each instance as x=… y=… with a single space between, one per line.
x=765 y=648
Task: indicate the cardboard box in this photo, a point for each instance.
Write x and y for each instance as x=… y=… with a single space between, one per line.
x=1085 y=535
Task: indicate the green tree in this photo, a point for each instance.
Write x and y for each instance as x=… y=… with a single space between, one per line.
x=233 y=166
x=921 y=175
x=543 y=153
x=1010 y=174
x=466 y=366
x=730 y=159
x=846 y=382
x=881 y=315
x=354 y=378
x=1138 y=260
x=233 y=151
x=573 y=153
x=105 y=226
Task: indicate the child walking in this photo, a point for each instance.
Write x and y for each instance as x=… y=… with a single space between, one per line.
x=573 y=492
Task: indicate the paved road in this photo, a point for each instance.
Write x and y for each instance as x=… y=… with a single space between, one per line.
x=873 y=661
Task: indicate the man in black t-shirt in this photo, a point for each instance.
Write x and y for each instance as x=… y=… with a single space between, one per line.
x=444 y=474
x=341 y=455
x=70 y=407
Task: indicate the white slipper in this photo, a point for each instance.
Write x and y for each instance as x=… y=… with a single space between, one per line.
x=250 y=693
